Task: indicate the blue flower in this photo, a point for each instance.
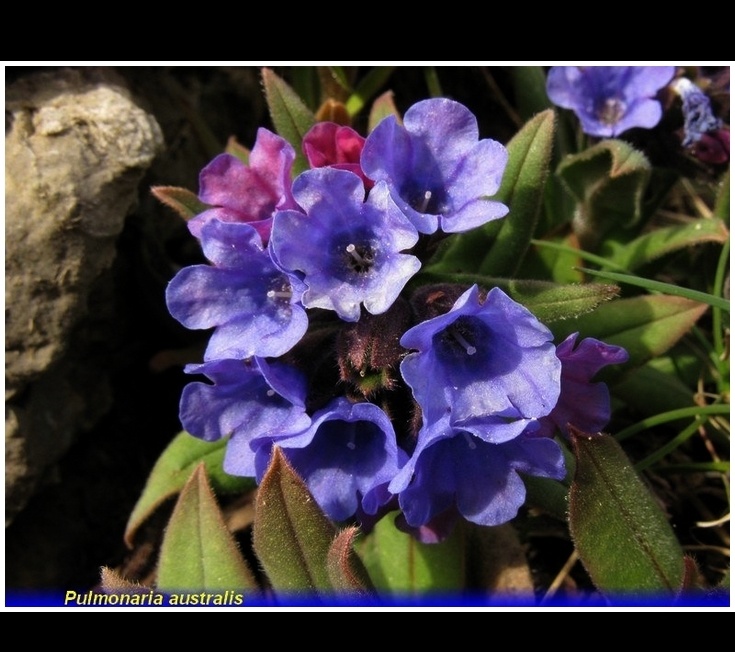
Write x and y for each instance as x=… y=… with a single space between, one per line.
x=609 y=100
x=490 y=363
x=252 y=305
x=582 y=403
x=346 y=250
x=346 y=456
x=439 y=173
x=247 y=400
x=453 y=470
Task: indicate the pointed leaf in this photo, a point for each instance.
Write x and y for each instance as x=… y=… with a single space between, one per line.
x=547 y=300
x=383 y=106
x=403 y=566
x=112 y=582
x=529 y=85
x=198 y=553
x=660 y=242
x=291 y=535
x=658 y=286
x=183 y=201
x=522 y=190
x=608 y=182
x=498 y=247
x=649 y=391
x=497 y=562
x=346 y=570
x=367 y=87
x=237 y=150
x=172 y=471
x=291 y=117
x=722 y=203
x=623 y=538
x=645 y=326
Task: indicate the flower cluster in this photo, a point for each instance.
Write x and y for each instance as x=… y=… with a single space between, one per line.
x=382 y=391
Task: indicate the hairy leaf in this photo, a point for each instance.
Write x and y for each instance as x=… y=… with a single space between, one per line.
x=291 y=117
x=183 y=201
x=660 y=242
x=623 y=538
x=198 y=552
x=172 y=471
x=608 y=182
x=291 y=535
x=346 y=570
x=645 y=326
x=403 y=566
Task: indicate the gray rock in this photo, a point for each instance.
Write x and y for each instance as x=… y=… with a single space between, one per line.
x=76 y=147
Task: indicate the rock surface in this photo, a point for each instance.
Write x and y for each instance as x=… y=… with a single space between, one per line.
x=76 y=147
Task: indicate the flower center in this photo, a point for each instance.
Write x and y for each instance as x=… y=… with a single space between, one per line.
x=611 y=111
x=360 y=258
x=460 y=339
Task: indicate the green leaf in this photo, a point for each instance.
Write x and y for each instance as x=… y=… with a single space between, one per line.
x=497 y=248
x=291 y=536
x=608 y=182
x=367 y=87
x=658 y=286
x=183 y=201
x=346 y=570
x=198 y=552
x=648 y=390
x=403 y=566
x=547 y=300
x=621 y=535
x=238 y=150
x=645 y=326
x=529 y=85
x=173 y=469
x=722 y=203
x=291 y=117
x=382 y=107
x=660 y=242
x=522 y=190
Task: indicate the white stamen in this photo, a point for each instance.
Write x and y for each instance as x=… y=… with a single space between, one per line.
x=471 y=350
x=270 y=393
x=470 y=440
x=351 y=445
x=425 y=204
x=280 y=294
x=352 y=250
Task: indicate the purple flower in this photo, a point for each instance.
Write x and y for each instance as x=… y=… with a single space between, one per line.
x=248 y=399
x=328 y=144
x=346 y=250
x=452 y=470
x=609 y=100
x=698 y=117
x=248 y=193
x=582 y=403
x=490 y=363
x=439 y=173
x=347 y=455
x=252 y=305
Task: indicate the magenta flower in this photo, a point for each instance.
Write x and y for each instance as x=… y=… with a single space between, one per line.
x=248 y=193
x=328 y=144
x=609 y=100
